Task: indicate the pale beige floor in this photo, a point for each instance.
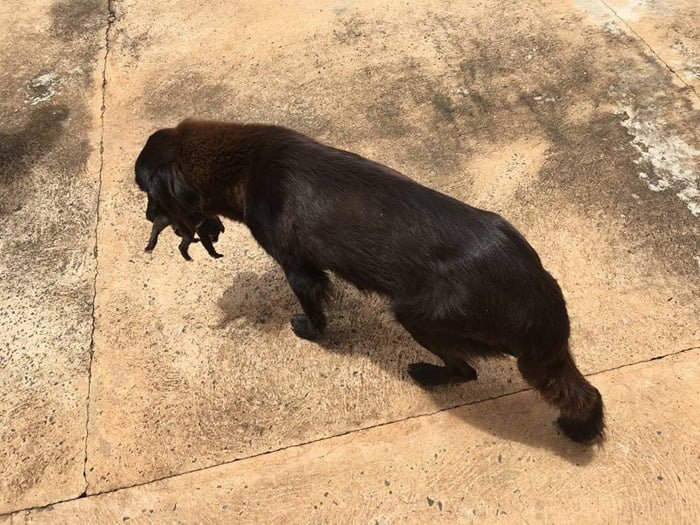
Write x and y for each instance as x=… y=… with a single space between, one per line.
x=169 y=391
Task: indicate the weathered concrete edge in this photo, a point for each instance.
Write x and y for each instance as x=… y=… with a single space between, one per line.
x=653 y=51
x=340 y=434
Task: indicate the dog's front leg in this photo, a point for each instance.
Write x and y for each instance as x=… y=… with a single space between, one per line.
x=310 y=285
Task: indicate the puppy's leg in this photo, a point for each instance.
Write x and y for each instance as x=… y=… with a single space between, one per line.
x=159 y=224
x=310 y=285
x=183 y=247
x=187 y=239
x=206 y=242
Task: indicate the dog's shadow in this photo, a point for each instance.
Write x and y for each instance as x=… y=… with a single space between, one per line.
x=361 y=324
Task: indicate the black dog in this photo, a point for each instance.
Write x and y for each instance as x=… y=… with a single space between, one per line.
x=462 y=281
x=208 y=232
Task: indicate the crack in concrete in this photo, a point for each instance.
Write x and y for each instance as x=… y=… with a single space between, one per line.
x=111 y=17
x=345 y=433
x=686 y=84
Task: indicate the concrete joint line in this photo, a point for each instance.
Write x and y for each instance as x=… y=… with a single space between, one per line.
x=326 y=438
x=111 y=17
x=383 y=424
x=688 y=86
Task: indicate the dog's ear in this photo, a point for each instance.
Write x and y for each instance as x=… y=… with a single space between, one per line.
x=171 y=193
x=159 y=150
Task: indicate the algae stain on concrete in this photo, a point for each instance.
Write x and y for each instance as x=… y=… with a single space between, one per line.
x=675 y=163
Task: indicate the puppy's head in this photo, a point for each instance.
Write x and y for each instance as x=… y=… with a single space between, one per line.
x=211 y=227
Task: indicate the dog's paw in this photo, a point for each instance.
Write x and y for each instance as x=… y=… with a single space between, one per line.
x=426 y=374
x=303 y=328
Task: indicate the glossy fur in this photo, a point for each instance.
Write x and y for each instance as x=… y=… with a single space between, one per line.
x=208 y=232
x=462 y=281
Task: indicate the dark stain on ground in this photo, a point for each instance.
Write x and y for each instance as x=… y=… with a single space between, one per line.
x=79 y=22
x=586 y=174
x=72 y=19
x=392 y=98
x=517 y=81
x=353 y=28
x=386 y=116
x=188 y=94
x=443 y=105
x=47 y=211
x=22 y=149
x=131 y=45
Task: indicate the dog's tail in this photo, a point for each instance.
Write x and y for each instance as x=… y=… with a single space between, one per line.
x=555 y=376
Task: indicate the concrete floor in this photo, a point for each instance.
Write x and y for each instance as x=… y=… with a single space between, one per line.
x=167 y=391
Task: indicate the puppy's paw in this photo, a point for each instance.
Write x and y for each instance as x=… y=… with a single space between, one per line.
x=303 y=328
x=218 y=255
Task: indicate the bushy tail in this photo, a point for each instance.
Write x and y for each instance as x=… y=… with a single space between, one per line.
x=557 y=379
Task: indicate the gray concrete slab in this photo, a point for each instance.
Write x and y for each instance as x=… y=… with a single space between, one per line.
x=668 y=27
x=485 y=463
x=49 y=163
x=536 y=112
x=569 y=118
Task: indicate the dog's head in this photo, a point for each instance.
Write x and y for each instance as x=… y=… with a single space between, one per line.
x=169 y=193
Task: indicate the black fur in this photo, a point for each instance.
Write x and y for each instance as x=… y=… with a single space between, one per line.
x=208 y=231
x=462 y=281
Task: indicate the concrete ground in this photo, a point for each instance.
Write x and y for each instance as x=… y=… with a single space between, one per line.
x=143 y=388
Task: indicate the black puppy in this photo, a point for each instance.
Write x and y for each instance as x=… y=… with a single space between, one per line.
x=208 y=231
x=462 y=281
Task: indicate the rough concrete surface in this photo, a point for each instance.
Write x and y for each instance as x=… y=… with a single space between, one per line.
x=476 y=463
x=578 y=121
x=670 y=29
x=49 y=164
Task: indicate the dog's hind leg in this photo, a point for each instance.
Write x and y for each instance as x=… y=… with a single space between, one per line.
x=455 y=370
x=184 y=248
x=310 y=285
x=447 y=346
x=187 y=239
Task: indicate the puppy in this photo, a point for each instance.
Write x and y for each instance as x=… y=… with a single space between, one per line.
x=208 y=230
x=462 y=281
